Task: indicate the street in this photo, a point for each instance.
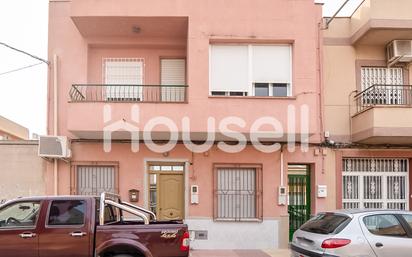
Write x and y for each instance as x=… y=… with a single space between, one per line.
x=240 y=253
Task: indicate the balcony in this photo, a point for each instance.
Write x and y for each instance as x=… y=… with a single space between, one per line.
x=129 y=93
x=375 y=22
x=384 y=115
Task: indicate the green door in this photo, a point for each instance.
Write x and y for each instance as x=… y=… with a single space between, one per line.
x=299 y=197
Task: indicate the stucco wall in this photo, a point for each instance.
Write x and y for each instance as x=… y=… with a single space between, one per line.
x=22 y=171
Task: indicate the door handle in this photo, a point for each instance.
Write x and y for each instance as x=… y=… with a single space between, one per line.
x=77 y=234
x=27 y=235
x=379 y=245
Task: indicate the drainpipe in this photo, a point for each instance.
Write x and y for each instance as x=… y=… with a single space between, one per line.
x=55 y=123
x=282 y=170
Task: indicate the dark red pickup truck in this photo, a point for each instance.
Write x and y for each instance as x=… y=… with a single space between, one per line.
x=75 y=226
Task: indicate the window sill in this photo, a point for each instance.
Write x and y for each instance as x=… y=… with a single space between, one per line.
x=255 y=97
x=256 y=220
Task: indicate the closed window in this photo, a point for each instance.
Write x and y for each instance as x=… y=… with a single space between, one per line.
x=271 y=89
x=94 y=180
x=384 y=225
x=408 y=219
x=22 y=214
x=326 y=223
x=67 y=213
x=262 y=89
x=238 y=195
x=254 y=70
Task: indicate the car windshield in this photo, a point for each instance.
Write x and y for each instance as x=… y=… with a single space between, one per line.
x=326 y=223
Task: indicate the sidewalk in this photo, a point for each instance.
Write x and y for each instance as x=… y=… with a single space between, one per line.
x=239 y=253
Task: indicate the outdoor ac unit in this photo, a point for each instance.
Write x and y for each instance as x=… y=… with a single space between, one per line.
x=54 y=147
x=399 y=51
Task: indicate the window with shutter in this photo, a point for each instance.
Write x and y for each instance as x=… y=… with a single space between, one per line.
x=254 y=70
x=172 y=79
x=123 y=78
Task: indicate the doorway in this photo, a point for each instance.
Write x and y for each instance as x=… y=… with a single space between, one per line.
x=299 y=196
x=166 y=185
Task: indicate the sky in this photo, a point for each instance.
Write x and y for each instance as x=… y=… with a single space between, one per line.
x=23 y=25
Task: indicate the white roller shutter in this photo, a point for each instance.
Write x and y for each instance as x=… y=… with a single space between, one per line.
x=173 y=71
x=173 y=77
x=123 y=72
x=271 y=64
x=229 y=68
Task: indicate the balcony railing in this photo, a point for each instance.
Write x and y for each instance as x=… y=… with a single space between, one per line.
x=386 y=95
x=129 y=93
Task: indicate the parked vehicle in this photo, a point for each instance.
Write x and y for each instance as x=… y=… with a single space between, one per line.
x=360 y=233
x=83 y=226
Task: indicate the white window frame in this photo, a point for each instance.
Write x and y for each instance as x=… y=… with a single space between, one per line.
x=270 y=88
x=251 y=83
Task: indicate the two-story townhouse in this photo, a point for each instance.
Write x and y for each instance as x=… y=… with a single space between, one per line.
x=367 y=96
x=127 y=76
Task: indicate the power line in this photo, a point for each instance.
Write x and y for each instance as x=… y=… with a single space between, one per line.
x=22 y=68
x=24 y=52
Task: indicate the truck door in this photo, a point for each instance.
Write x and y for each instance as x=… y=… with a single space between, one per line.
x=18 y=231
x=67 y=229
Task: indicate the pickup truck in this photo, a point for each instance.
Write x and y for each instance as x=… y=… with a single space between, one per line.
x=87 y=226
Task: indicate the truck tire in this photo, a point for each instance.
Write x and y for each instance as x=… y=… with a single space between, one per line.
x=125 y=255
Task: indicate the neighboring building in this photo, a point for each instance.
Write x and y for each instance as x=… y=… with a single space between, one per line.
x=199 y=59
x=368 y=105
x=22 y=172
x=10 y=130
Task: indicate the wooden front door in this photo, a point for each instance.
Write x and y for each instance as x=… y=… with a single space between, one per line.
x=171 y=197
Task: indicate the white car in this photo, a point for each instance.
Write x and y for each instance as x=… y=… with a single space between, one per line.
x=355 y=233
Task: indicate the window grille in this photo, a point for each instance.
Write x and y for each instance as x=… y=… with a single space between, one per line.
x=379 y=183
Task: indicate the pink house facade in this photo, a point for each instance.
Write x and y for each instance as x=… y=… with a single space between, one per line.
x=124 y=71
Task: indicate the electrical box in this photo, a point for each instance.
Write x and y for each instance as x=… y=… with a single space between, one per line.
x=322 y=191
x=194 y=194
x=282 y=195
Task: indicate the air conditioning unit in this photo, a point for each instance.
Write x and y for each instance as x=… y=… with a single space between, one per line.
x=54 y=147
x=399 y=51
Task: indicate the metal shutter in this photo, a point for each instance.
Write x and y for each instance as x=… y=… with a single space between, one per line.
x=93 y=180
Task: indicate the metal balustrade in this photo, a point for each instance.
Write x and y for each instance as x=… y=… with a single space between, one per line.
x=387 y=95
x=129 y=93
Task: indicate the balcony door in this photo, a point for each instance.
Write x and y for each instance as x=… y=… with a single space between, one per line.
x=123 y=78
x=382 y=85
x=172 y=80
